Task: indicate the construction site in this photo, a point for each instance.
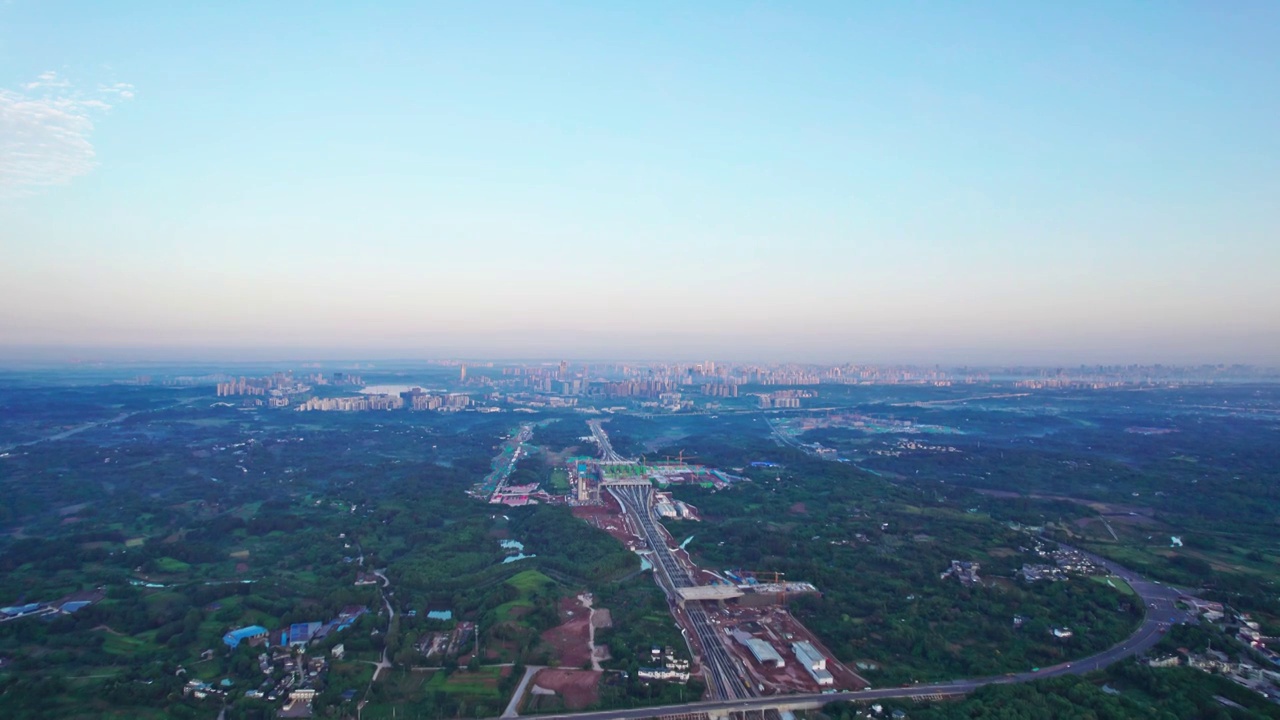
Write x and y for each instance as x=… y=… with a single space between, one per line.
x=736 y=622
x=450 y=644
x=587 y=475
x=773 y=652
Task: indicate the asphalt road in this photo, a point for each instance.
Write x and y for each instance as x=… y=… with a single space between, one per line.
x=602 y=439
x=721 y=671
x=1158 y=601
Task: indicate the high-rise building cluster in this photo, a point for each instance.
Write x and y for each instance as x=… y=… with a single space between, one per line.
x=420 y=399
x=727 y=390
x=784 y=398
x=242 y=387
x=283 y=383
x=351 y=404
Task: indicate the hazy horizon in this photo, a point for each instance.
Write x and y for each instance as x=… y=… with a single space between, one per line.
x=17 y=355
x=993 y=183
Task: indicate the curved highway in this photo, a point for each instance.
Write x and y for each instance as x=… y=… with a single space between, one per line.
x=1158 y=602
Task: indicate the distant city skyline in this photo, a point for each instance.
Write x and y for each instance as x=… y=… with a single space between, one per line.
x=990 y=183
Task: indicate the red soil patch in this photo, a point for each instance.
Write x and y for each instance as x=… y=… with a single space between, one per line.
x=579 y=688
x=570 y=638
x=799 y=509
x=242 y=567
x=608 y=518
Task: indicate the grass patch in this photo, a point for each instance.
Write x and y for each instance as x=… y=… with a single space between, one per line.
x=125 y=645
x=481 y=683
x=528 y=584
x=161 y=597
x=529 y=581
x=171 y=565
x=1115 y=582
x=350 y=675
x=952 y=514
x=1128 y=555
x=513 y=611
x=134 y=542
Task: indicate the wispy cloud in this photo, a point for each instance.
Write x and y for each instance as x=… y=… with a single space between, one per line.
x=47 y=79
x=124 y=91
x=45 y=130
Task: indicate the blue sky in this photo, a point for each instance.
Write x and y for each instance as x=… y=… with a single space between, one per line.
x=951 y=182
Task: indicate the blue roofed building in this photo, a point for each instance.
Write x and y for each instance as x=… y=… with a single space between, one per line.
x=250 y=634
x=303 y=633
x=19 y=610
x=349 y=615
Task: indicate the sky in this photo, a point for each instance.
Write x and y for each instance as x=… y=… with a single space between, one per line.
x=985 y=182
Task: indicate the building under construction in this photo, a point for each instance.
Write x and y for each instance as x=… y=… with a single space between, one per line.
x=754 y=589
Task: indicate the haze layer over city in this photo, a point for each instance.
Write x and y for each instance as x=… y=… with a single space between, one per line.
x=604 y=361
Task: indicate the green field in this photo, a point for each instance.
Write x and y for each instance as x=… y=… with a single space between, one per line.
x=507 y=612
x=1115 y=582
x=481 y=683
x=527 y=584
x=170 y=565
x=529 y=581
x=125 y=645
